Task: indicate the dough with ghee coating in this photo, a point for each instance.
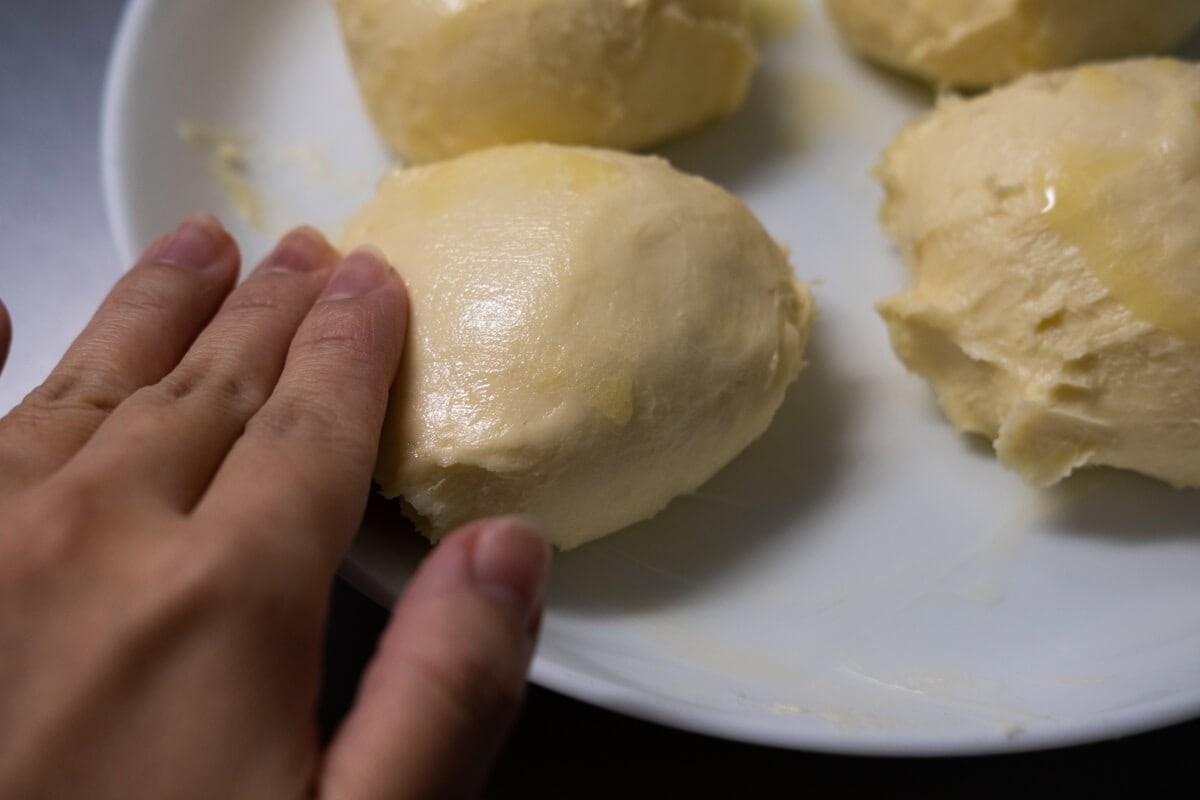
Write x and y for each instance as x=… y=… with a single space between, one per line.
x=1052 y=229
x=443 y=77
x=592 y=334
x=980 y=43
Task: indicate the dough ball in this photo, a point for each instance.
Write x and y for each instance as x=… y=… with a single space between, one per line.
x=978 y=43
x=443 y=77
x=1053 y=233
x=592 y=334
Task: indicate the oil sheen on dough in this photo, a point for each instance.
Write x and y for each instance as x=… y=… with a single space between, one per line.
x=978 y=43
x=592 y=334
x=1051 y=232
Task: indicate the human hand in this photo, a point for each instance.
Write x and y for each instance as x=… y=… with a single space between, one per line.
x=174 y=500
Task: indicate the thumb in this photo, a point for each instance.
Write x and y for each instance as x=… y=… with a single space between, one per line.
x=444 y=687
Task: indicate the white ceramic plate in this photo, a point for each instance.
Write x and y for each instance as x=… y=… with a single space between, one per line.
x=862 y=579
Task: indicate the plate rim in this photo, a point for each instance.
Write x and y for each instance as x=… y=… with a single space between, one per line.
x=121 y=59
x=649 y=707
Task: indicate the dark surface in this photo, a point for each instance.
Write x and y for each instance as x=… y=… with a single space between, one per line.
x=52 y=57
x=562 y=748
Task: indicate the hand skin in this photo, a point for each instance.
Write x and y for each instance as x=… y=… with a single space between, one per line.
x=174 y=500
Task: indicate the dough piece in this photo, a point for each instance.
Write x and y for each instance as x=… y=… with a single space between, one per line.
x=592 y=334
x=1052 y=232
x=443 y=77
x=978 y=43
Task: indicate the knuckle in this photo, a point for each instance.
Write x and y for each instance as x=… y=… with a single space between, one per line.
x=337 y=337
x=254 y=298
x=255 y=571
x=47 y=526
x=286 y=416
x=58 y=386
x=312 y=420
x=91 y=495
x=31 y=541
x=150 y=289
x=320 y=424
x=221 y=384
x=211 y=582
x=203 y=586
x=72 y=388
x=85 y=380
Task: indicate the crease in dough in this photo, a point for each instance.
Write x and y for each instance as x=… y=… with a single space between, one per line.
x=1050 y=231
x=592 y=334
x=974 y=44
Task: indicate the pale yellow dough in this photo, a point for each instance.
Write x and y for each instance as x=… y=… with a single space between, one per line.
x=592 y=334
x=443 y=77
x=979 y=43
x=1053 y=233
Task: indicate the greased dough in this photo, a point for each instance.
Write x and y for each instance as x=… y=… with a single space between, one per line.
x=592 y=333
x=1053 y=232
x=978 y=43
x=442 y=77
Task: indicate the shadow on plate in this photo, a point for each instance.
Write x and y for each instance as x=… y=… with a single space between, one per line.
x=1190 y=49
x=912 y=90
x=974 y=445
x=386 y=551
x=1124 y=508
x=704 y=538
x=732 y=151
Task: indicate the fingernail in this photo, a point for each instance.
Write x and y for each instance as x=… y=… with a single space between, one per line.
x=509 y=564
x=362 y=271
x=195 y=243
x=303 y=250
x=155 y=249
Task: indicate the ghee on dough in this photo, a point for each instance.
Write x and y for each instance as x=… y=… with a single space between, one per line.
x=443 y=77
x=979 y=43
x=1052 y=229
x=592 y=334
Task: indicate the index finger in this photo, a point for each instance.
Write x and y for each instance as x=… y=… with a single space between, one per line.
x=302 y=468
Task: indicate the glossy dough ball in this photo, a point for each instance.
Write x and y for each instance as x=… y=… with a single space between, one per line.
x=443 y=77
x=1053 y=232
x=979 y=43
x=592 y=334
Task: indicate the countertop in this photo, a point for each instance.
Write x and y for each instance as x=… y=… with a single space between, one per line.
x=52 y=63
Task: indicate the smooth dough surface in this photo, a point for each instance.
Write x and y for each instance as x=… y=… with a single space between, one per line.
x=979 y=43
x=592 y=334
x=1052 y=229
x=443 y=77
